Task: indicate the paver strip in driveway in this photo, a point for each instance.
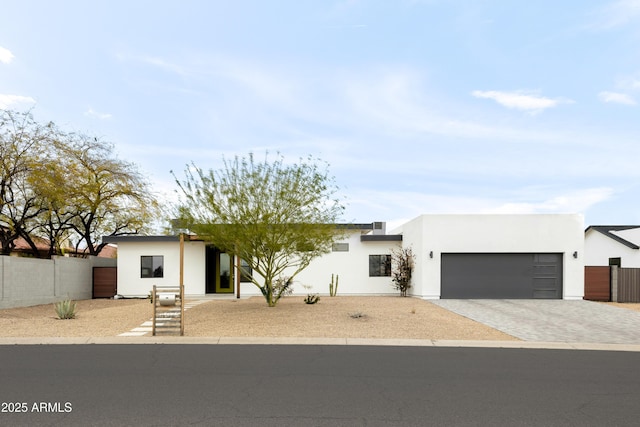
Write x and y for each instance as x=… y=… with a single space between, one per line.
x=552 y=320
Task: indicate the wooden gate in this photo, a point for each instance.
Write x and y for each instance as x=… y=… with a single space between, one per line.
x=628 y=285
x=105 y=282
x=597 y=283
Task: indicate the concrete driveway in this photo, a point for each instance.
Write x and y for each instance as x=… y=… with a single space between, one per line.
x=552 y=320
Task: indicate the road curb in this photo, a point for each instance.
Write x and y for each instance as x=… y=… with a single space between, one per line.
x=318 y=341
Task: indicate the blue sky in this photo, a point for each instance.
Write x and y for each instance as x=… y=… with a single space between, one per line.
x=433 y=106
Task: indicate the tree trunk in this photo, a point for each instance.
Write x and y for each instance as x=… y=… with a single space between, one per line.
x=267 y=291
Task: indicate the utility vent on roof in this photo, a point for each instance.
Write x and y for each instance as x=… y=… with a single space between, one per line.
x=379 y=228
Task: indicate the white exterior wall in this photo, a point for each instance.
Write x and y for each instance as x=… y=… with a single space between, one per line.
x=352 y=267
x=428 y=233
x=413 y=237
x=494 y=234
x=599 y=248
x=631 y=234
x=130 y=284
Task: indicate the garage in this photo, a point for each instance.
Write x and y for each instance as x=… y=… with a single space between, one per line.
x=501 y=276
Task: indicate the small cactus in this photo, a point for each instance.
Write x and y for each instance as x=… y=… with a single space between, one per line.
x=333 y=286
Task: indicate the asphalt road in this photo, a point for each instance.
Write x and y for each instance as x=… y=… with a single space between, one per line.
x=248 y=385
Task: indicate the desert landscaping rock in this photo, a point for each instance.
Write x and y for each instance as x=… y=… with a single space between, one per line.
x=382 y=317
x=94 y=318
x=390 y=317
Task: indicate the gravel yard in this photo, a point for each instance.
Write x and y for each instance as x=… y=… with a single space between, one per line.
x=337 y=317
x=94 y=318
x=332 y=317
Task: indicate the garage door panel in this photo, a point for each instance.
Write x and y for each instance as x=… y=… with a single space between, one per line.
x=542 y=270
x=548 y=258
x=501 y=276
x=547 y=276
x=545 y=294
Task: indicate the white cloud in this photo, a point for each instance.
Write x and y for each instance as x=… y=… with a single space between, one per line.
x=165 y=65
x=398 y=104
x=617 y=98
x=388 y=205
x=577 y=201
x=242 y=78
x=618 y=14
x=92 y=113
x=521 y=100
x=413 y=204
x=629 y=83
x=5 y=55
x=8 y=101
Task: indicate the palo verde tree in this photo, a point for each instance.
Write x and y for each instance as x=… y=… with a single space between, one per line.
x=275 y=216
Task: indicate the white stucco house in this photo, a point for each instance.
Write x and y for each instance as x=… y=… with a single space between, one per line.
x=612 y=245
x=456 y=256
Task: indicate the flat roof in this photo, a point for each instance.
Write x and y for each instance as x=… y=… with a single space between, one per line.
x=176 y=238
x=138 y=238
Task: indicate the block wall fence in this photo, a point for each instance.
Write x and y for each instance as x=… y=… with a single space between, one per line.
x=29 y=281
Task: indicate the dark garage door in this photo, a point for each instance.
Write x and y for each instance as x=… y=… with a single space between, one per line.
x=515 y=276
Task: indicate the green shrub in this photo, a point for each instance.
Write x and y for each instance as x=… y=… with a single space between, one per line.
x=403 y=262
x=66 y=309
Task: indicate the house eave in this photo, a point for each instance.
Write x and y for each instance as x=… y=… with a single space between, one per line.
x=381 y=238
x=606 y=230
x=122 y=239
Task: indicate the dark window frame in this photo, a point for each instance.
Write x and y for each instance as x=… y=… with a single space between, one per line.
x=151 y=266
x=380 y=265
x=340 y=247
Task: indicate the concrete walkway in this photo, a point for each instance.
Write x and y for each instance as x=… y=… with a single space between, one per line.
x=553 y=320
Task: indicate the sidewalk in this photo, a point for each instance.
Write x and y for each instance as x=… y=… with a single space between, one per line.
x=319 y=341
x=536 y=324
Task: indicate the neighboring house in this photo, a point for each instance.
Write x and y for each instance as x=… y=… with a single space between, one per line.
x=23 y=249
x=612 y=260
x=456 y=256
x=108 y=251
x=612 y=245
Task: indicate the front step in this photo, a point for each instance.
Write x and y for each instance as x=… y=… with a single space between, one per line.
x=167 y=319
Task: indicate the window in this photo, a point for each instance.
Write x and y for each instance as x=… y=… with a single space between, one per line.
x=379 y=265
x=246 y=273
x=340 y=247
x=152 y=266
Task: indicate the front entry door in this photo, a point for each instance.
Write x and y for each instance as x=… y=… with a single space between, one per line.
x=219 y=274
x=224 y=284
